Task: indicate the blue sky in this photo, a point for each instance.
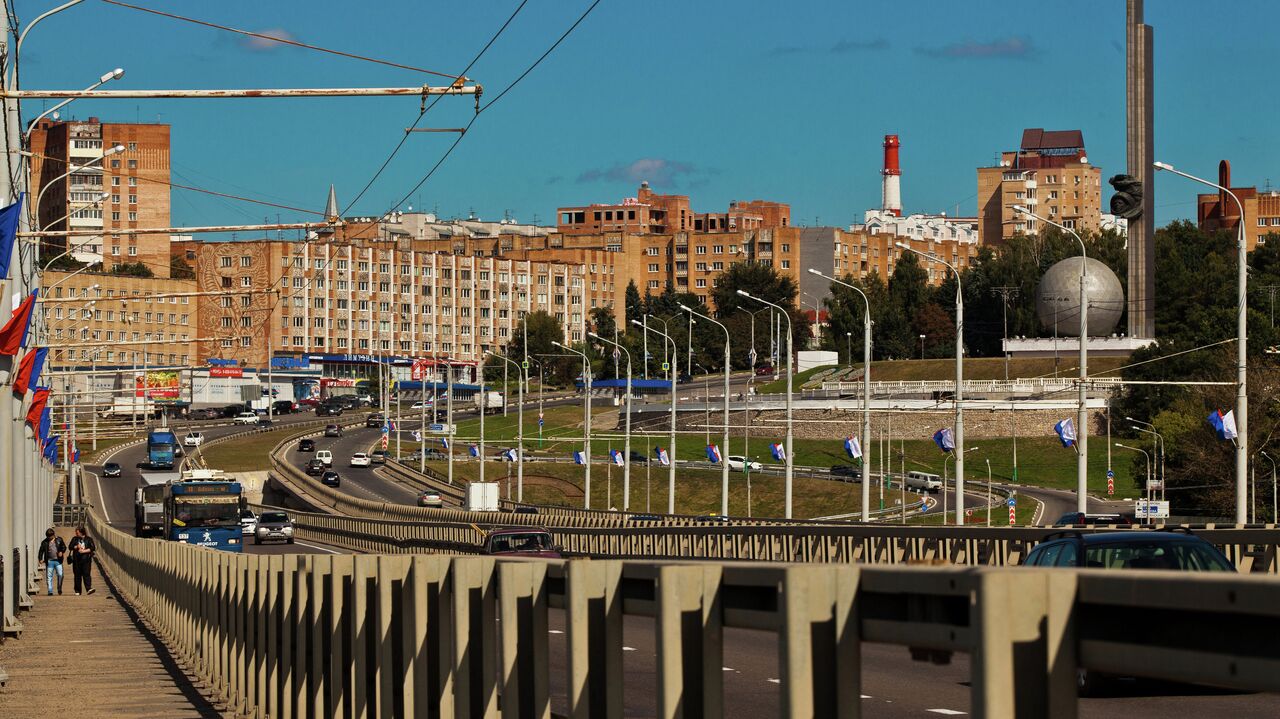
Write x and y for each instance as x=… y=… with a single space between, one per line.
x=717 y=99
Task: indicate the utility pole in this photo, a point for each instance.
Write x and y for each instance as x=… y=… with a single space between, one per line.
x=1271 y=292
x=1006 y=295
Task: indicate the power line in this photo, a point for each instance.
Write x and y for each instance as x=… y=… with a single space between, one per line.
x=427 y=108
x=285 y=41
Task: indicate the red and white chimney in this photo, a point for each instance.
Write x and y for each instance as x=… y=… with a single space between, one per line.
x=891 y=190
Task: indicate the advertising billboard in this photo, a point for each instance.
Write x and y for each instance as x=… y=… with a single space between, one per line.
x=162 y=385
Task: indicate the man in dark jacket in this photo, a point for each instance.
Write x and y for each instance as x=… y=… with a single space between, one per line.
x=81 y=549
x=52 y=550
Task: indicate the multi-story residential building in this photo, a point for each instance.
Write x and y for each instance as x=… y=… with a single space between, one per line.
x=1218 y=211
x=349 y=295
x=651 y=213
x=1050 y=175
x=857 y=253
x=97 y=317
x=136 y=182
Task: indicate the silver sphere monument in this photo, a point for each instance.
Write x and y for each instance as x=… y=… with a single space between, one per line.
x=1058 y=298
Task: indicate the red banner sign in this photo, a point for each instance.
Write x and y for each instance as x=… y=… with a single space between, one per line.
x=226 y=372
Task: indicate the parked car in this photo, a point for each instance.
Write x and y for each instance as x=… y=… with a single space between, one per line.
x=520 y=541
x=111 y=469
x=360 y=459
x=232 y=410
x=766 y=369
x=525 y=509
x=205 y=413
x=738 y=463
x=328 y=410
x=711 y=517
x=430 y=498
x=307 y=445
x=1171 y=551
x=283 y=406
x=264 y=422
x=315 y=467
x=246 y=418
x=193 y=439
x=375 y=420
x=638 y=457
x=248 y=522
x=846 y=472
x=378 y=456
x=684 y=378
x=419 y=406
x=326 y=457
x=330 y=479
x=332 y=430
x=644 y=518
x=272 y=526
x=1085 y=519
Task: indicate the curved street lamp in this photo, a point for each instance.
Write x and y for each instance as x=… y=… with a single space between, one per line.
x=790 y=467
x=626 y=446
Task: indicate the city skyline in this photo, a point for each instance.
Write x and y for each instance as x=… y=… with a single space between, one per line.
x=579 y=129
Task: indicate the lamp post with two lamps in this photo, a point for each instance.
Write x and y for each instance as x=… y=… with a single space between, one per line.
x=790 y=467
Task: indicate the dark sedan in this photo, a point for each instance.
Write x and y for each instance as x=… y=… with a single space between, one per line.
x=307 y=445
x=315 y=467
x=111 y=469
x=330 y=479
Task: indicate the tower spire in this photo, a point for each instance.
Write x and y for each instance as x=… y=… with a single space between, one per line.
x=331 y=205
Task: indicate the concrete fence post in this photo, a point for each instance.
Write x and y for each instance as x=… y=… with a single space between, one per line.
x=690 y=642
x=593 y=619
x=474 y=616
x=819 y=647
x=522 y=612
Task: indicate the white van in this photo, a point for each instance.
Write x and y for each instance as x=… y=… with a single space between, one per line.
x=924 y=480
x=325 y=456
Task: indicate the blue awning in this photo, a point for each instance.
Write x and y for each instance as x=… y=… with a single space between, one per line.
x=415 y=386
x=636 y=384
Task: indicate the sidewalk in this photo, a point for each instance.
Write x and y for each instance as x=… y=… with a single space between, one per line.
x=89 y=656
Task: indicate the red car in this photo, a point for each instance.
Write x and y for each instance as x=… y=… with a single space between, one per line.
x=764 y=370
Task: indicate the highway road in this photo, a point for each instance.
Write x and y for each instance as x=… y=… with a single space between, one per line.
x=115 y=494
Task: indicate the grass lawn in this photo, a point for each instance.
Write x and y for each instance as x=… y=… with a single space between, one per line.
x=105 y=444
x=980 y=368
x=246 y=454
x=779 y=385
x=697 y=491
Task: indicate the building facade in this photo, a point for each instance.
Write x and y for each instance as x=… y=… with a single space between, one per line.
x=1218 y=211
x=651 y=213
x=135 y=181
x=1051 y=176
x=840 y=253
x=118 y=320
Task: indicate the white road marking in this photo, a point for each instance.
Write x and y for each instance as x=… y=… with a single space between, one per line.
x=946 y=712
x=774 y=681
x=628 y=649
x=316 y=546
x=728 y=669
x=866 y=696
x=554 y=631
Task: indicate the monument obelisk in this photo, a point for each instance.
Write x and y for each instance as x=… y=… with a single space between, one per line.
x=1140 y=154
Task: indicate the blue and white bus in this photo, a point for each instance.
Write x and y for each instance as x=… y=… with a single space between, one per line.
x=162 y=445
x=204 y=509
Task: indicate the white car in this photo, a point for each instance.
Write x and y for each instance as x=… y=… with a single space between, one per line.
x=738 y=463
x=193 y=439
x=360 y=459
x=422 y=405
x=246 y=418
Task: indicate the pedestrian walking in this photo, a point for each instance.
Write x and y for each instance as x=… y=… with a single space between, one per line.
x=82 y=549
x=52 y=551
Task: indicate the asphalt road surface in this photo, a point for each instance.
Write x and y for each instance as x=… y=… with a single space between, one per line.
x=115 y=494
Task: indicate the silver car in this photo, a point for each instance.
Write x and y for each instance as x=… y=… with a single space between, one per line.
x=273 y=525
x=248 y=522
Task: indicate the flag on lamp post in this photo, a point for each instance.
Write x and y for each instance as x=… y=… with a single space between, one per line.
x=852 y=447
x=778 y=451
x=579 y=457
x=1066 y=430
x=617 y=457
x=663 y=457
x=1224 y=425
x=945 y=440
x=713 y=453
x=475 y=450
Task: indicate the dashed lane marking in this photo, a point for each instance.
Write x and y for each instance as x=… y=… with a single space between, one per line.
x=774 y=681
x=628 y=649
x=554 y=631
x=946 y=712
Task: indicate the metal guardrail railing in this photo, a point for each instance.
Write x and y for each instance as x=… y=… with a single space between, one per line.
x=70 y=515
x=316 y=635
x=1035 y=384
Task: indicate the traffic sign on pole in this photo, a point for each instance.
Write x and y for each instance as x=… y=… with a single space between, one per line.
x=1013 y=502
x=1110 y=474
x=1013 y=515
x=666 y=366
x=1111 y=486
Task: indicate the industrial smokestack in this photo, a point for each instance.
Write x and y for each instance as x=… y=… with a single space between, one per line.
x=891 y=190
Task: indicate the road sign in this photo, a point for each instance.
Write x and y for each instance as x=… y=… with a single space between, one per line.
x=440 y=428
x=1155 y=484
x=524 y=364
x=1111 y=486
x=1013 y=502
x=1013 y=516
x=1151 y=509
x=666 y=366
x=1110 y=474
x=384 y=442
x=968 y=512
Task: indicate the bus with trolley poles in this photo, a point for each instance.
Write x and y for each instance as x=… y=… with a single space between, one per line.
x=203 y=509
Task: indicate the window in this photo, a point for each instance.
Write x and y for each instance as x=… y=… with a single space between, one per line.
x=224 y=261
x=115 y=249
x=133 y=250
x=133 y=165
x=133 y=199
x=133 y=217
x=653 y=267
x=652 y=251
x=246 y=342
x=115 y=164
x=246 y=261
x=115 y=181
x=245 y=281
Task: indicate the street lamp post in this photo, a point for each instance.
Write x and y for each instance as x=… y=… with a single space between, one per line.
x=922 y=346
x=1082 y=414
x=115 y=74
x=1145 y=454
x=519 y=428
x=671 y=450
x=1157 y=443
x=724 y=462
x=790 y=473
x=626 y=447
x=866 y=392
x=1274 y=504
x=1242 y=337
x=959 y=393
x=586 y=422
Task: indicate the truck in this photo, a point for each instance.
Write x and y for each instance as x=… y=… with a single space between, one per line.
x=148 y=504
x=162 y=446
x=482 y=497
x=489 y=402
x=128 y=407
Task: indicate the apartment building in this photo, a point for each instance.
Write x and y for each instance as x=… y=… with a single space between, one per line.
x=840 y=253
x=359 y=296
x=98 y=318
x=1218 y=211
x=1051 y=176
x=651 y=213
x=136 y=182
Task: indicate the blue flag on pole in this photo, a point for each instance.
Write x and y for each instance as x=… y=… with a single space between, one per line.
x=475 y=450
x=944 y=439
x=9 y=233
x=778 y=451
x=852 y=447
x=713 y=453
x=663 y=457
x=444 y=442
x=1224 y=425
x=617 y=457
x=1066 y=430
x=579 y=458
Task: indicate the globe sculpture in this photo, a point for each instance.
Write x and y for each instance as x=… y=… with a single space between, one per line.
x=1058 y=298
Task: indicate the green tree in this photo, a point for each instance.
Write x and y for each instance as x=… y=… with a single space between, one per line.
x=763 y=281
x=180 y=270
x=633 y=303
x=133 y=269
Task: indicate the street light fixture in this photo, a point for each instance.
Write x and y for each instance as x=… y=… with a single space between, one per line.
x=724 y=462
x=626 y=447
x=1082 y=415
x=586 y=421
x=115 y=74
x=671 y=450
x=790 y=468
x=1157 y=445
x=922 y=346
x=959 y=393
x=519 y=425
x=1147 y=455
x=1242 y=337
x=866 y=390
